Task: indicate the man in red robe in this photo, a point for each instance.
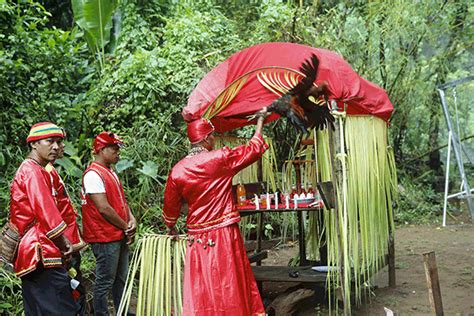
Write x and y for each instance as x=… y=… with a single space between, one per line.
x=218 y=279
x=33 y=211
x=71 y=232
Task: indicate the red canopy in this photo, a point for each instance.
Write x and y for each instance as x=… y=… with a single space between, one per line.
x=345 y=85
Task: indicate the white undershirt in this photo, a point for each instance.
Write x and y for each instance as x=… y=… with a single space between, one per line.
x=93 y=183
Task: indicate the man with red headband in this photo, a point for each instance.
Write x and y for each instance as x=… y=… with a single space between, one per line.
x=218 y=279
x=33 y=211
x=108 y=223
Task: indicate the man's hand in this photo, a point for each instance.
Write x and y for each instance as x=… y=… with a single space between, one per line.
x=132 y=227
x=173 y=233
x=131 y=230
x=260 y=115
x=263 y=113
x=65 y=247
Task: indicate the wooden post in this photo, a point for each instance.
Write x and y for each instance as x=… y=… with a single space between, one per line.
x=335 y=171
x=391 y=260
x=301 y=237
x=259 y=223
x=259 y=235
x=434 y=290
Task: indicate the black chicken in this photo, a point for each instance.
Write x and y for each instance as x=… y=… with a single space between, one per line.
x=296 y=105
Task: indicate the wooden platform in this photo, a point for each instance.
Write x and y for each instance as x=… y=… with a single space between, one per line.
x=282 y=274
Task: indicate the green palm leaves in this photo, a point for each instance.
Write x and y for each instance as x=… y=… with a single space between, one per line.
x=360 y=230
x=94 y=17
x=156 y=273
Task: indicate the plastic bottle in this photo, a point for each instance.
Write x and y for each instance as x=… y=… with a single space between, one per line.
x=241 y=194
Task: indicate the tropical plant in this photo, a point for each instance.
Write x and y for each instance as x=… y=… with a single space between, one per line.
x=94 y=17
x=11 y=301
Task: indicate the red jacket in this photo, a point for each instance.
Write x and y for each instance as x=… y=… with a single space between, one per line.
x=204 y=181
x=95 y=227
x=35 y=213
x=66 y=209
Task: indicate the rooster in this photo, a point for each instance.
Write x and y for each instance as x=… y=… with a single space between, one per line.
x=296 y=105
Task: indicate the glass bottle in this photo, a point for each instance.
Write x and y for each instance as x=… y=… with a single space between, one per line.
x=241 y=194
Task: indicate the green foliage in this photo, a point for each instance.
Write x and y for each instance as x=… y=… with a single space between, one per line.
x=275 y=22
x=418 y=202
x=128 y=92
x=11 y=302
x=94 y=17
x=42 y=70
x=152 y=149
x=268 y=231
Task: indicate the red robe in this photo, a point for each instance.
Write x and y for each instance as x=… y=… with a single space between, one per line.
x=34 y=212
x=66 y=209
x=218 y=279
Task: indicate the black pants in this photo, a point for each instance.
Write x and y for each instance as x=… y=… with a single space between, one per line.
x=81 y=301
x=47 y=292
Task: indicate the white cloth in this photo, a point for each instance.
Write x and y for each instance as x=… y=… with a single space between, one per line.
x=93 y=183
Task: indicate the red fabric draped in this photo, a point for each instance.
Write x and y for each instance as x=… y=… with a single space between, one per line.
x=345 y=85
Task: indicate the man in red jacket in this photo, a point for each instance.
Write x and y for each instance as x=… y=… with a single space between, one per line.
x=33 y=210
x=72 y=233
x=108 y=224
x=218 y=279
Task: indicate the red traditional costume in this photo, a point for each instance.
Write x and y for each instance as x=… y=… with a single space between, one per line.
x=45 y=285
x=66 y=209
x=218 y=279
x=35 y=213
x=95 y=227
x=108 y=242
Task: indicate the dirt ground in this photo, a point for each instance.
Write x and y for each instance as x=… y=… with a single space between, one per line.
x=454 y=248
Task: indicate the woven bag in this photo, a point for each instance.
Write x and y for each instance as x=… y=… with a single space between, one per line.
x=9 y=241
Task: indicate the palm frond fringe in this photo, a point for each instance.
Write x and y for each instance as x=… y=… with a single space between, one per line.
x=159 y=261
x=365 y=225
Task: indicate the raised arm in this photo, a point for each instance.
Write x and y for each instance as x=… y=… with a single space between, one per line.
x=242 y=156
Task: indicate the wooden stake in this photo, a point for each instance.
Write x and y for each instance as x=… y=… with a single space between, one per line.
x=335 y=177
x=434 y=290
x=391 y=260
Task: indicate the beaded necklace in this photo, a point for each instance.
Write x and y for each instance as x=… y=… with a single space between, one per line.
x=196 y=150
